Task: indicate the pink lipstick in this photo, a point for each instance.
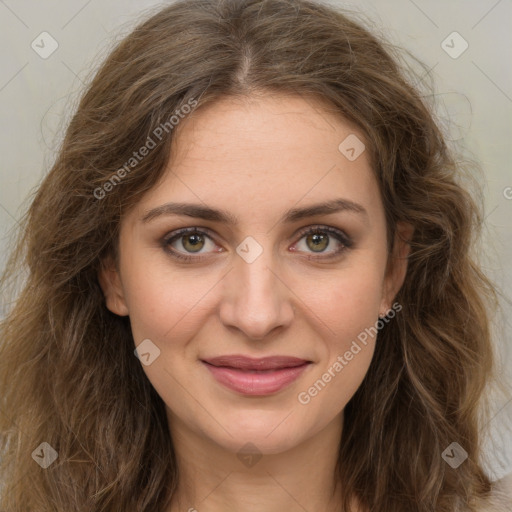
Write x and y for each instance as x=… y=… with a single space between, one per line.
x=251 y=376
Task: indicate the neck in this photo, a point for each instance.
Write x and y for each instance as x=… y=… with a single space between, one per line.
x=214 y=479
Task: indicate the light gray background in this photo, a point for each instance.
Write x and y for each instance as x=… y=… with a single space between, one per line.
x=474 y=93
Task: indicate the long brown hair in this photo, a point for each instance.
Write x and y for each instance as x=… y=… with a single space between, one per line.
x=68 y=374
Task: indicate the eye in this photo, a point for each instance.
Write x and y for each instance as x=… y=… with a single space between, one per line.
x=184 y=243
x=191 y=240
x=318 y=239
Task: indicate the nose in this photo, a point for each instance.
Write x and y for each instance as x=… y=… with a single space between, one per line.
x=256 y=298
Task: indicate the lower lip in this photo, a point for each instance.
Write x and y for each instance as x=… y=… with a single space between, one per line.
x=256 y=383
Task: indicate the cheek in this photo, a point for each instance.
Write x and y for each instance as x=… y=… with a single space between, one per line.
x=349 y=301
x=349 y=308
x=161 y=301
x=345 y=356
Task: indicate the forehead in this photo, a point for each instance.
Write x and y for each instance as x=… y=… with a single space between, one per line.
x=264 y=154
x=273 y=127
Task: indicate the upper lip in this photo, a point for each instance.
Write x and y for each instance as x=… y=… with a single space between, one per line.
x=249 y=363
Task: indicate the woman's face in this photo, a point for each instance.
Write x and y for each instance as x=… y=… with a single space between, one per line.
x=258 y=284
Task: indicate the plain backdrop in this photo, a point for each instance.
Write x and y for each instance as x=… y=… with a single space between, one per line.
x=466 y=47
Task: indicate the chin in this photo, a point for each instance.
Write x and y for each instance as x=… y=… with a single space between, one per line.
x=259 y=443
x=271 y=432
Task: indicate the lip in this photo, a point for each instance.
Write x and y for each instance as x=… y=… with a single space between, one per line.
x=250 y=376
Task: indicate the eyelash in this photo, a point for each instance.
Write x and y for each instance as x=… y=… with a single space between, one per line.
x=346 y=242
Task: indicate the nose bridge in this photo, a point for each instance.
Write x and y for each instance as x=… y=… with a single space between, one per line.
x=257 y=301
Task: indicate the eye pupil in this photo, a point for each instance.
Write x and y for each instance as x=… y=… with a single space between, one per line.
x=194 y=239
x=318 y=240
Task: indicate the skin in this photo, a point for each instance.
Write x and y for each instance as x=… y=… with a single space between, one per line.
x=257 y=157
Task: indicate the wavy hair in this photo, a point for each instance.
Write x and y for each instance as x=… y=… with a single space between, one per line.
x=68 y=375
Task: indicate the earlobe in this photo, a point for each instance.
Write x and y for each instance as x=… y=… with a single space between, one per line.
x=110 y=282
x=397 y=264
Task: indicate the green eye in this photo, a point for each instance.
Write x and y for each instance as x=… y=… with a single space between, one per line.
x=319 y=242
x=193 y=240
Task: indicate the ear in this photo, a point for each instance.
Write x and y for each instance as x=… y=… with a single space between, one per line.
x=110 y=282
x=397 y=265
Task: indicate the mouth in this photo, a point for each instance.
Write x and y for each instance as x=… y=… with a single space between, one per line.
x=251 y=376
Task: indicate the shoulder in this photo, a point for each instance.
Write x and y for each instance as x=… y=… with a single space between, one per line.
x=500 y=499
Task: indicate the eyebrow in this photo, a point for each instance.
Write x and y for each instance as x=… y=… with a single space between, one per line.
x=199 y=211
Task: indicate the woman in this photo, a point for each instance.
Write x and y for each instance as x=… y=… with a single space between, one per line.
x=250 y=283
